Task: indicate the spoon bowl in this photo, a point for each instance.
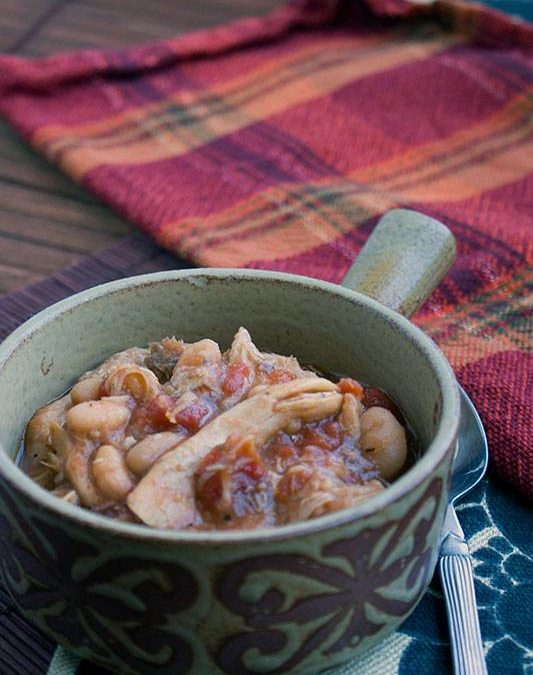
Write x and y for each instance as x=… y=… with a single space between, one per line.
x=472 y=455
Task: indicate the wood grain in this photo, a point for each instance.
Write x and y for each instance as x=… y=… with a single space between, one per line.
x=46 y=220
x=88 y=23
x=16 y=18
x=20 y=164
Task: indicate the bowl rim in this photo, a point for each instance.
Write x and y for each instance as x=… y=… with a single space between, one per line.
x=436 y=451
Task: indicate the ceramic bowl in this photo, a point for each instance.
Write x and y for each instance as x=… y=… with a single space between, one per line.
x=292 y=599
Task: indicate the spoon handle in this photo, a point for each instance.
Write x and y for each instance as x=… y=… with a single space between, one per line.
x=455 y=565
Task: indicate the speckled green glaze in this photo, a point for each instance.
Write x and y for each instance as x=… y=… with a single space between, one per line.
x=294 y=599
x=406 y=257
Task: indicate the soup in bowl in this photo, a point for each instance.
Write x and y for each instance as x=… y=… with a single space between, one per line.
x=182 y=435
x=184 y=590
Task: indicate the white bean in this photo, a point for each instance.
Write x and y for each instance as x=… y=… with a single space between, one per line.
x=141 y=456
x=77 y=468
x=98 y=419
x=110 y=473
x=199 y=353
x=87 y=389
x=383 y=441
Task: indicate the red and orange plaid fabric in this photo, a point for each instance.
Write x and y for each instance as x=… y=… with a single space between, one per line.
x=278 y=142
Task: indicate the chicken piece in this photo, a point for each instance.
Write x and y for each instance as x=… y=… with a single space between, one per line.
x=350 y=417
x=40 y=459
x=165 y=496
x=243 y=350
x=305 y=492
x=197 y=369
x=265 y=368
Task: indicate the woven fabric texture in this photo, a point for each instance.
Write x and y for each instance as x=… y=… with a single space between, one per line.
x=278 y=142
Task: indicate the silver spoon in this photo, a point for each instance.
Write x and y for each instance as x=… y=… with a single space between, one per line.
x=455 y=562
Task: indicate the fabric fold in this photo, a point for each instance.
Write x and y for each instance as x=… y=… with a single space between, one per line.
x=278 y=142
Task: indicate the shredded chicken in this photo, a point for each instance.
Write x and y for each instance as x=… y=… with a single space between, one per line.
x=319 y=493
x=198 y=367
x=243 y=350
x=41 y=461
x=165 y=497
x=350 y=416
x=183 y=435
x=262 y=364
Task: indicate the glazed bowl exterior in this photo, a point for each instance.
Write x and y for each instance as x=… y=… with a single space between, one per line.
x=293 y=599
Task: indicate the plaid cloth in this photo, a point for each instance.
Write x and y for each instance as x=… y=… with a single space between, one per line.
x=278 y=142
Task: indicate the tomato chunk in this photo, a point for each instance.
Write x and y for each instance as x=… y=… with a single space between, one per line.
x=232 y=482
x=211 y=490
x=152 y=416
x=210 y=478
x=281 y=376
x=293 y=481
x=248 y=466
x=334 y=432
x=325 y=436
x=190 y=417
x=235 y=378
x=349 y=386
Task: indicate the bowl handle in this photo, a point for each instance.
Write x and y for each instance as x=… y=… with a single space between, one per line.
x=403 y=260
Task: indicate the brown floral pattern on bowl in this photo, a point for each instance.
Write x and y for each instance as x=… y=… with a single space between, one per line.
x=125 y=610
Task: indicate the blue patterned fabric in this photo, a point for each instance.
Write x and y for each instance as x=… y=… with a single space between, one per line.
x=522 y=9
x=499 y=531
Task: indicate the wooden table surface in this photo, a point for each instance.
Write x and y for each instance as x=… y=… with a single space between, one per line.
x=47 y=221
